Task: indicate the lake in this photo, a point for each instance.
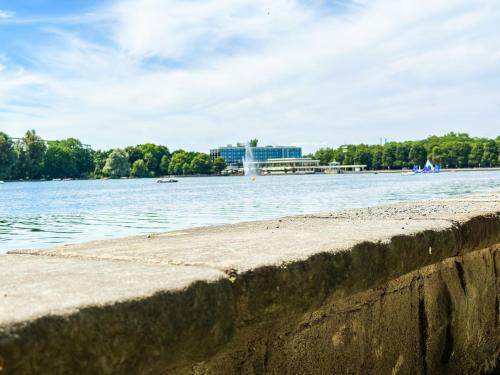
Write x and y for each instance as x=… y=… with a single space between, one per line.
x=42 y=214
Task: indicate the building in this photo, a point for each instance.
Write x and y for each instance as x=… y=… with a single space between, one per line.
x=335 y=167
x=234 y=155
x=300 y=166
x=285 y=166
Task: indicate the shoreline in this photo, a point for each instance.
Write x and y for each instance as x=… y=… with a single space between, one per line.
x=378 y=171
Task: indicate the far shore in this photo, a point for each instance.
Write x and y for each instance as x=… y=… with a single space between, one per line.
x=381 y=171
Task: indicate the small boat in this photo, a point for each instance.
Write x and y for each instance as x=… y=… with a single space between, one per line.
x=408 y=173
x=57 y=179
x=1 y=182
x=166 y=180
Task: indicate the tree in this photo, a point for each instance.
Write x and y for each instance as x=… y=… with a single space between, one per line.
x=402 y=155
x=476 y=155
x=219 y=164
x=179 y=158
x=7 y=156
x=389 y=155
x=253 y=142
x=151 y=163
x=186 y=169
x=152 y=156
x=201 y=164
x=417 y=155
x=164 y=165
x=99 y=158
x=68 y=158
x=325 y=155
x=139 y=169
x=490 y=153
x=31 y=150
x=363 y=156
x=117 y=164
x=461 y=151
x=437 y=155
x=377 y=153
x=134 y=153
x=59 y=162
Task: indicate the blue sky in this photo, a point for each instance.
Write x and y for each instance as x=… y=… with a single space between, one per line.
x=196 y=74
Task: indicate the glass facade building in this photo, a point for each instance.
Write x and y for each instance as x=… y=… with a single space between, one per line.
x=234 y=155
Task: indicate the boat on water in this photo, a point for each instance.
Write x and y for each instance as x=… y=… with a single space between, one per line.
x=166 y=180
x=1 y=182
x=408 y=173
x=428 y=168
x=57 y=179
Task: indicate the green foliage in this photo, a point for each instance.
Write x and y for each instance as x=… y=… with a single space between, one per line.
x=7 y=156
x=100 y=158
x=33 y=158
x=153 y=157
x=165 y=160
x=389 y=155
x=219 y=164
x=117 y=164
x=253 y=142
x=418 y=154
x=139 y=169
x=325 y=155
x=453 y=150
x=201 y=164
x=68 y=158
x=58 y=162
x=179 y=159
x=490 y=154
x=187 y=163
x=30 y=154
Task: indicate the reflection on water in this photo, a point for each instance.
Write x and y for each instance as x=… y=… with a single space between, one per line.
x=40 y=214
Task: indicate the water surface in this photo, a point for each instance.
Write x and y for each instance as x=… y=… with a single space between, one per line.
x=42 y=214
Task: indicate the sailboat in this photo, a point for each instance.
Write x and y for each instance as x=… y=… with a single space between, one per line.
x=428 y=168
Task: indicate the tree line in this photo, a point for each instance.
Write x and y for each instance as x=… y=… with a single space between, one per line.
x=453 y=150
x=31 y=158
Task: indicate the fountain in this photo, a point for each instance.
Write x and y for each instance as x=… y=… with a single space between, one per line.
x=249 y=162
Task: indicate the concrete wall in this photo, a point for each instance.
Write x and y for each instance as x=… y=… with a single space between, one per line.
x=401 y=289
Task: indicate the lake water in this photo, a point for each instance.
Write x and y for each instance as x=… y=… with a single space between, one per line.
x=42 y=214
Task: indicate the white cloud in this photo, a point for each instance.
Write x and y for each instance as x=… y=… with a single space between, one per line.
x=6 y=14
x=200 y=73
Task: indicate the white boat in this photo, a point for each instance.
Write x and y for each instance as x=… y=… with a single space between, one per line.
x=166 y=180
x=1 y=182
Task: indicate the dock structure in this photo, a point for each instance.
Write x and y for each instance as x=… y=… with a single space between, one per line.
x=282 y=166
x=348 y=168
x=402 y=288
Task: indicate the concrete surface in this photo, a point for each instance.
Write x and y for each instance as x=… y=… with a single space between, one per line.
x=193 y=301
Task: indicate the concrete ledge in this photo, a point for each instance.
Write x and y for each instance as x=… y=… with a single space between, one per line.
x=194 y=301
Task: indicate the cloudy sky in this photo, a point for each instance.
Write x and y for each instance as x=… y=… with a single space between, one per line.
x=200 y=73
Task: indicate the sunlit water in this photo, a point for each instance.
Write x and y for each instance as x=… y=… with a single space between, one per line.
x=41 y=214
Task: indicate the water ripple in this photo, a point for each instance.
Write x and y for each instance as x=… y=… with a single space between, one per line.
x=34 y=215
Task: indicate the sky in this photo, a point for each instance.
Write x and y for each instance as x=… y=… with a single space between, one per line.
x=197 y=74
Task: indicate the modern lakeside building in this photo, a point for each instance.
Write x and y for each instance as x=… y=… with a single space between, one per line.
x=300 y=166
x=234 y=155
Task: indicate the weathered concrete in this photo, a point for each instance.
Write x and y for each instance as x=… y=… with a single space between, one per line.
x=407 y=288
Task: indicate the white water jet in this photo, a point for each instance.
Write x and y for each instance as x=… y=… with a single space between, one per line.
x=249 y=162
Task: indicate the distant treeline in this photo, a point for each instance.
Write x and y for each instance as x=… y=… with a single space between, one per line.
x=32 y=158
x=454 y=150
